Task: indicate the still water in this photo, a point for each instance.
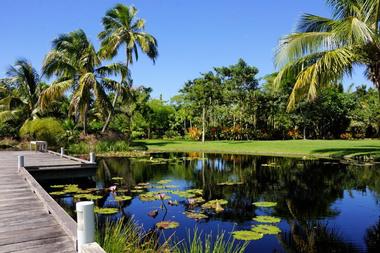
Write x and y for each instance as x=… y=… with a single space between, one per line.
x=324 y=205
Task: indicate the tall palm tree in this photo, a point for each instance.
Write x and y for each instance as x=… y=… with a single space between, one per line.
x=123 y=28
x=323 y=50
x=20 y=92
x=77 y=65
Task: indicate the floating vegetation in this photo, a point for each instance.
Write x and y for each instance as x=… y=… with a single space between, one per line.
x=167 y=224
x=171 y=186
x=117 y=178
x=139 y=187
x=195 y=201
x=57 y=193
x=247 y=235
x=71 y=188
x=195 y=215
x=266 y=229
x=267 y=219
x=165 y=181
x=264 y=204
x=195 y=191
x=184 y=194
x=215 y=204
x=143 y=184
x=105 y=210
x=136 y=191
x=57 y=186
x=125 y=190
x=152 y=196
x=229 y=183
x=123 y=198
x=87 y=196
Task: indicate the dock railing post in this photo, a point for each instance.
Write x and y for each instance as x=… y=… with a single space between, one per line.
x=92 y=157
x=62 y=151
x=20 y=162
x=85 y=223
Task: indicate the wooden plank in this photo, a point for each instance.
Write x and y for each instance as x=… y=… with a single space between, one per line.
x=59 y=242
x=92 y=248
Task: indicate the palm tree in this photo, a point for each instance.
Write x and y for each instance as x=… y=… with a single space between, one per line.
x=123 y=28
x=323 y=50
x=77 y=65
x=20 y=92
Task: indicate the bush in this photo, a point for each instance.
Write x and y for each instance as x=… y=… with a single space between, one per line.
x=346 y=136
x=45 y=129
x=171 y=134
x=194 y=133
x=84 y=147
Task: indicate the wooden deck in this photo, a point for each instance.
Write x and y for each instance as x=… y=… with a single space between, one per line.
x=30 y=220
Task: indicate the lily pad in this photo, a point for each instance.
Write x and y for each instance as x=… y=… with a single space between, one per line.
x=267 y=219
x=117 y=178
x=123 y=198
x=165 y=181
x=266 y=229
x=265 y=204
x=184 y=194
x=195 y=215
x=143 y=184
x=195 y=191
x=195 y=201
x=106 y=210
x=87 y=196
x=57 y=186
x=57 y=193
x=247 y=235
x=152 y=196
x=137 y=191
x=212 y=204
x=229 y=183
x=167 y=224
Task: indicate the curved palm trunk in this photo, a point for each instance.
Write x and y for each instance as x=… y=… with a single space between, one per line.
x=108 y=120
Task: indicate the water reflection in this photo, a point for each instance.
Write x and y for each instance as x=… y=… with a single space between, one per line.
x=316 y=198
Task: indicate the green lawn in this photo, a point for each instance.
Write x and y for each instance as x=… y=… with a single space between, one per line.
x=294 y=148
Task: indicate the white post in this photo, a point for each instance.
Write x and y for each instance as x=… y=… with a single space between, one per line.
x=92 y=157
x=62 y=152
x=86 y=223
x=20 y=160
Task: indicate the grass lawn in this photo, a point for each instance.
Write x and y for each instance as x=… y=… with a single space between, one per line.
x=293 y=148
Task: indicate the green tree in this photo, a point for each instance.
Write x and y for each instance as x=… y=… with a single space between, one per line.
x=123 y=27
x=77 y=65
x=323 y=50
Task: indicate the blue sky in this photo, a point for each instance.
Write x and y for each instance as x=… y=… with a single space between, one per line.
x=193 y=35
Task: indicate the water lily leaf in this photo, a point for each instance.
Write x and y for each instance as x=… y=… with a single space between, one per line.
x=167 y=224
x=143 y=184
x=87 y=196
x=152 y=196
x=229 y=183
x=195 y=215
x=215 y=204
x=117 y=178
x=184 y=194
x=165 y=181
x=195 y=191
x=247 y=235
x=139 y=187
x=57 y=193
x=105 y=210
x=267 y=219
x=266 y=229
x=195 y=201
x=123 y=198
x=71 y=188
x=265 y=204
x=57 y=186
x=137 y=191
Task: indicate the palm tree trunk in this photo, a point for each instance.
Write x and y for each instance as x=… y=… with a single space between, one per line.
x=203 y=123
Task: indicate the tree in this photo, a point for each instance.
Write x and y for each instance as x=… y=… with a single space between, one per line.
x=323 y=50
x=77 y=65
x=20 y=92
x=122 y=27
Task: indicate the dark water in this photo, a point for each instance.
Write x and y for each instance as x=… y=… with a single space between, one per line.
x=324 y=205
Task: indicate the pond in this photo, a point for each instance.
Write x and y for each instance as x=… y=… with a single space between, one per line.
x=319 y=205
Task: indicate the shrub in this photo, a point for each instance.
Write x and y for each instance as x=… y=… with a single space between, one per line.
x=194 y=133
x=346 y=136
x=171 y=134
x=45 y=129
x=84 y=147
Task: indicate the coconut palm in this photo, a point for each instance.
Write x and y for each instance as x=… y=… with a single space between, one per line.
x=20 y=92
x=77 y=65
x=324 y=50
x=123 y=28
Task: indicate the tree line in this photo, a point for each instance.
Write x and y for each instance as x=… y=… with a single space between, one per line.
x=305 y=99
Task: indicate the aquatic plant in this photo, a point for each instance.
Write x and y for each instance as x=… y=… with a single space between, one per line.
x=167 y=224
x=57 y=186
x=184 y=194
x=123 y=198
x=266 y=229
x=264 y=204
x=58 y=193
x=195 y=215
x=164 y=181
x=247 y=235
x=117 y=178
x=151 y=196
x=136 y=191
x=229 y=183
x=195 y=201
x=105 y=210
x=87 y=196
x=213 y=204
x=267 y=219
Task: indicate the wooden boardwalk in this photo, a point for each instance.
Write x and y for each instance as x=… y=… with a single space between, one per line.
x=30 y=220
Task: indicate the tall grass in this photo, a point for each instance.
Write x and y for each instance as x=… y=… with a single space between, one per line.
x=126 y=237
x=98 y=147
